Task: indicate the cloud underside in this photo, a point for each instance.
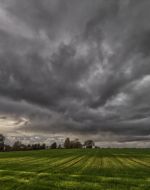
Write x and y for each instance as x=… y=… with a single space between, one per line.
x=76 y=67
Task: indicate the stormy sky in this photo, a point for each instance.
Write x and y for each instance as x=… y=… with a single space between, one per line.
x=76 y=68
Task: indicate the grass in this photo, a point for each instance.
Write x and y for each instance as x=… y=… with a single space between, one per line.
x=76 y=169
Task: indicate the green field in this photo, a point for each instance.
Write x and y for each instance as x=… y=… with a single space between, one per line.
x=88 y=169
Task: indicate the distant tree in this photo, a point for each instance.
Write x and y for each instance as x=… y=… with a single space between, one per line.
x=43 y=146
x=89 y=144
x=75 y=144
x=36 y=146
x=23 y=147
x=54 y=145
x=29 y=147
x=59 y=146
x=8 y=148
x=2 y=139
x=33 y=147
x=17 y=145
x=67 y=143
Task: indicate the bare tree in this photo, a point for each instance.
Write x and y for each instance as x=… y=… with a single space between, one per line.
x=17 y=145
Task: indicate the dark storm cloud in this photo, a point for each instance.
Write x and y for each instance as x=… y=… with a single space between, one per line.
x=79 y=67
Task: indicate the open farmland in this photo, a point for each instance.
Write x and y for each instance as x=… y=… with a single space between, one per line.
x=82 y=169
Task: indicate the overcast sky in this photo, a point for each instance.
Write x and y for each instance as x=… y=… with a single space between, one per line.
x=76 y=67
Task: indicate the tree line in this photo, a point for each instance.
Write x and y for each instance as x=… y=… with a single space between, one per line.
x=68 y=144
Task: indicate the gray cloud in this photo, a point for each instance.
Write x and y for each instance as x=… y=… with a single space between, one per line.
x=77 y=67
